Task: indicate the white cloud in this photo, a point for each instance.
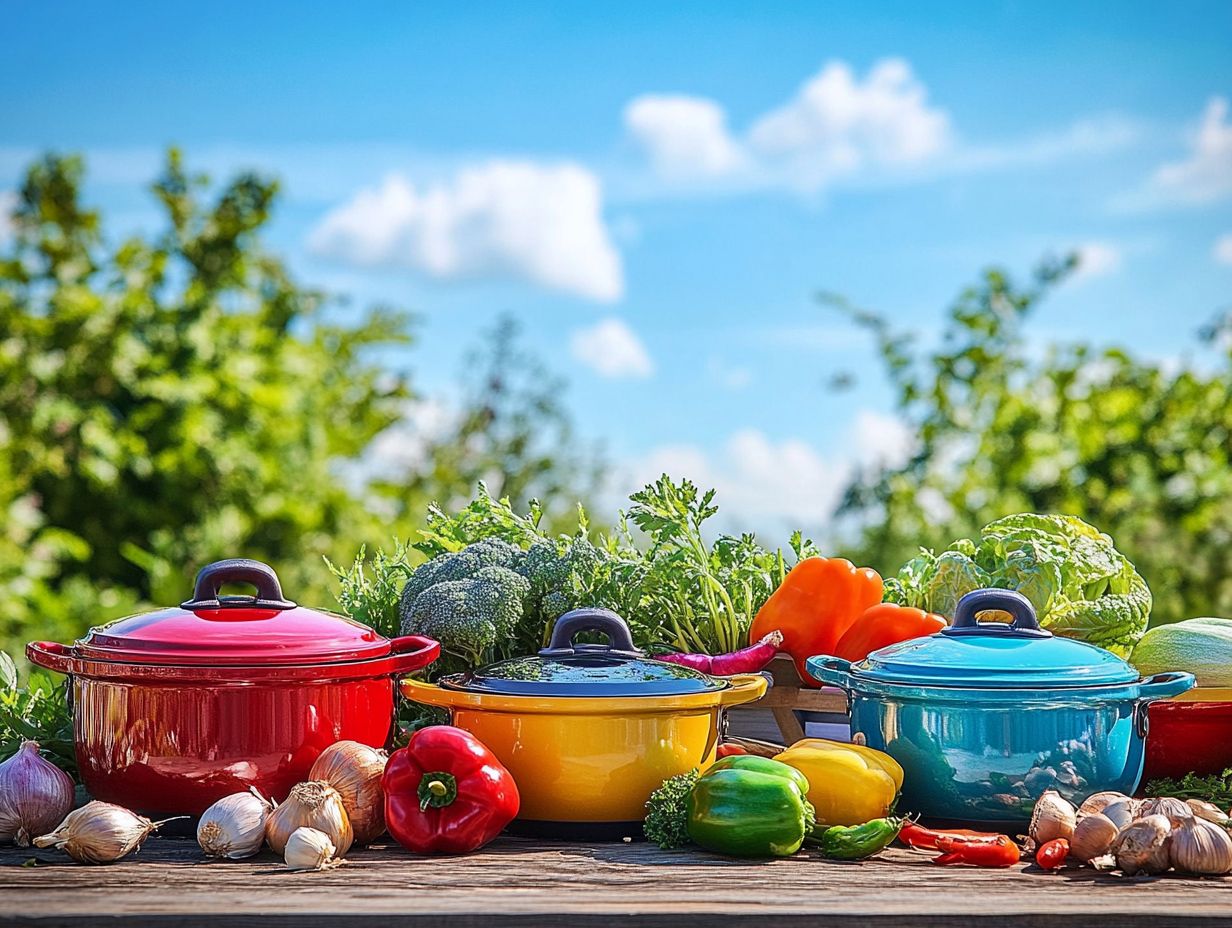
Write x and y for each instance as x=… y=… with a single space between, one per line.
x=759 y=481
x=504 y=219
x=1094 y=135
x=612 y=349
x=1206 y=175
x=1097 y=259
x=1222 y=252
x=881 y=440
x=684 y=135
x=768 y=485
x=835 y=125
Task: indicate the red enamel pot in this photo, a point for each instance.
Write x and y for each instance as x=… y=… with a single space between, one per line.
x=174 y=709
x=1190 y=733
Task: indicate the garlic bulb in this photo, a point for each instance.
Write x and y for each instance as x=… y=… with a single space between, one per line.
x=355 y=771
x=35 y=795
x=1142 y=847
x=309 y=849
x=1208 y=811
x=1175 y=810
x=234 y=826
x=1093 y=837
x=1097 y=802
x=310 y=805
x=99 y=833
x=1054 y=816
x=1201 y=848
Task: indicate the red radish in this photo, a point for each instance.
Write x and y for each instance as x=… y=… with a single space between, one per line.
x=746 y=660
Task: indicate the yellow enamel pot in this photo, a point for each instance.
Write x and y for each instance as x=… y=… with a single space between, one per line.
x=586 y=762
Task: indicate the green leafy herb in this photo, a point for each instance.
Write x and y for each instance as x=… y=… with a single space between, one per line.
x=667 y=811
x=1215 y=788
x=36 y=712
x=369 y=590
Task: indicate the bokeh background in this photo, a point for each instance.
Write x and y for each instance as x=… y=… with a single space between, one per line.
x=273 y=277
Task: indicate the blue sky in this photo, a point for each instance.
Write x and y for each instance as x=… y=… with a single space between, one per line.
x=657 y=193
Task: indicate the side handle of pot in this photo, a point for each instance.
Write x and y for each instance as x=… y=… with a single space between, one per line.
x=427 y=693
x=413 y=652
x=1163 y=685
x=50 y=655
x=745 y=687
x=829 y=669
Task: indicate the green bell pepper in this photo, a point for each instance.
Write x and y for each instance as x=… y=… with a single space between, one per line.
x=750 y=806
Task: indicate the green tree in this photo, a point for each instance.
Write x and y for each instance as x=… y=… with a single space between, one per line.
x=176 y=398
x=511 y=431
x=1140 y=449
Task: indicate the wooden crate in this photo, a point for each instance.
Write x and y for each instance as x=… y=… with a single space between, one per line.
x=788 y=695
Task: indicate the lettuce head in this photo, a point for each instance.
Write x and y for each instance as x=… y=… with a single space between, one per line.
x=1078 y=582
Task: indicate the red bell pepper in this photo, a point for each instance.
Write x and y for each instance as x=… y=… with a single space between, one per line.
x=446 y=793
x=885 y=624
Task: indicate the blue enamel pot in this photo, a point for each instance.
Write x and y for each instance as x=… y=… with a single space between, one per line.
x=986 y=716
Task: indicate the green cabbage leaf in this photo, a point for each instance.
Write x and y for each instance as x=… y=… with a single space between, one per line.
x=1080 y=585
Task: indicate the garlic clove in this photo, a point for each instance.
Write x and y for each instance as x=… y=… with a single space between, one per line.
x=1121 y=813
x=1175 y=810
x=309 y=849
x=1200 y=847
x=355 y=771
x=1208 y=811
x=1142 y=847
x=234 y=826
x=1097 y=802
x=35 y=795
x=1093 y=837
x=313 y=804
x=100 y=832
x=1054 y=816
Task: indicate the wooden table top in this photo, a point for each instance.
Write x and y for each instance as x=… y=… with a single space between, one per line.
x=530 y=883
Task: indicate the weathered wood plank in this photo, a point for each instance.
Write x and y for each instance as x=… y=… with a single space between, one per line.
x=523 y=883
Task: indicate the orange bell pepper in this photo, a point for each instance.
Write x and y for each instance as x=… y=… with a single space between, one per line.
x=886 y=624
x=815 y=605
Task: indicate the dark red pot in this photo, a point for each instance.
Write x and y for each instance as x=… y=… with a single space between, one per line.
x=174 y=709
x=1188 y=736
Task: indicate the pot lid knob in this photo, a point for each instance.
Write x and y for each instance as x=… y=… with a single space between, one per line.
x=1024 y=623
x=210 y=580
x=590 y=619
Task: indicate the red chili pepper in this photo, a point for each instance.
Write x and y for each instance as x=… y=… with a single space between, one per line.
x=1051 y=854
x=446 y=793
x=977 y=852
x=917 y=836
x=727 y=750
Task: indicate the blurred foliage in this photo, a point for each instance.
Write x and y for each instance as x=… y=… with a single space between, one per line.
x=172 y=399
x=1139 y=448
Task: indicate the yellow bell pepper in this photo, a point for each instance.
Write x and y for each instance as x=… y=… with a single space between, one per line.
x=849 y=784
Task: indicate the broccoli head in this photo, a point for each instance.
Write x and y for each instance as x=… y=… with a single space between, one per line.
x=471 y=615
x=562 y=575
x=459 y=565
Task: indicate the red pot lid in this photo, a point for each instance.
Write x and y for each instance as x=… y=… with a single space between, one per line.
x=234 y=630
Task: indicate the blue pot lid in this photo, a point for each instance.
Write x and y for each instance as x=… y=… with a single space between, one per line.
x=571 y=668
x=995 y=655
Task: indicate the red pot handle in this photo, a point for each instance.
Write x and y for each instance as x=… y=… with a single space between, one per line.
x=413 y=652
x=50 y=655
